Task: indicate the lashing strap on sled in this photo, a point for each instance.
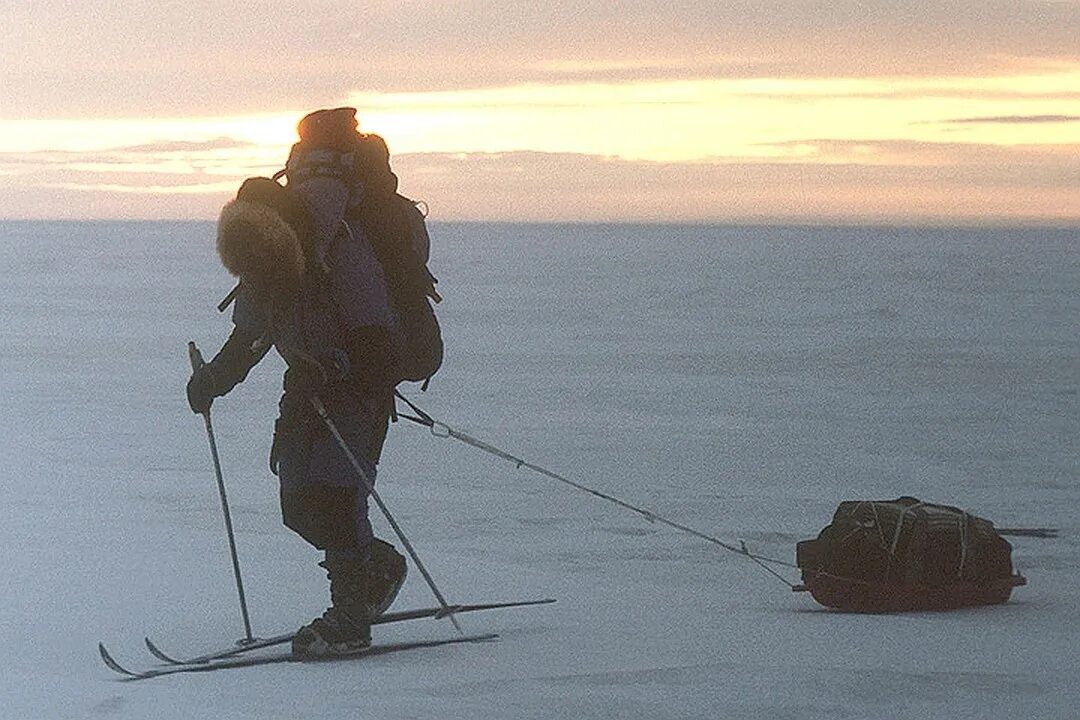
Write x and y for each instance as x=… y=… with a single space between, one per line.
x=899 y=526
x=964 y=540
x=963 y=543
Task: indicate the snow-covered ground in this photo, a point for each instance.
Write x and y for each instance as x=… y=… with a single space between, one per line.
x=740 y=381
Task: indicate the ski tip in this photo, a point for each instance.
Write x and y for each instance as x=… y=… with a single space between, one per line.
x=111 y=663
x=158 y=653
x=527 y=603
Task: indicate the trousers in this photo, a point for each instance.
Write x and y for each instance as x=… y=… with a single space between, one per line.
x=323 y=498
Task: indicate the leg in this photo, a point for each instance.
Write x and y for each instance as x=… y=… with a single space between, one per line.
x=365 y=574
x=322 y=497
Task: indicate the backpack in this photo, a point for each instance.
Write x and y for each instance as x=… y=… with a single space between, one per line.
x=330 y=148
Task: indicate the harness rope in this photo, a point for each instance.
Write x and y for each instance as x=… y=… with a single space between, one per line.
x=442 y=430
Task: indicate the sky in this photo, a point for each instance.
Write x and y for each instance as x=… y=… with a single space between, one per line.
x=682 y=110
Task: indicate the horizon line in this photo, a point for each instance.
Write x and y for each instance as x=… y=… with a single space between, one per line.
x=793 y=222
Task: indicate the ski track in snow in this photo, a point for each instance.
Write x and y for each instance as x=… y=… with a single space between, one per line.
x=742 y=381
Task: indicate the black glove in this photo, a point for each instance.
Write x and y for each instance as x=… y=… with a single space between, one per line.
x=201 y=390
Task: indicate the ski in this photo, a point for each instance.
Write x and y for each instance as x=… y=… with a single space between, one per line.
x=281 y=657
x=241 y=646
x=391 y=617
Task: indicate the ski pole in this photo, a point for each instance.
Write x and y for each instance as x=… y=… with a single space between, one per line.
x=196 y=363
x=320 y=409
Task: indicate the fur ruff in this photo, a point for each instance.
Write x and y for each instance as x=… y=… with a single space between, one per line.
x=256 y=245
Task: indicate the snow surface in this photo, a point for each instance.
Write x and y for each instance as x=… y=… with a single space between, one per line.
x=742 y=381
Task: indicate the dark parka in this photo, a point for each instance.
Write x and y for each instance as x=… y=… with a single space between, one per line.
x=313 y=287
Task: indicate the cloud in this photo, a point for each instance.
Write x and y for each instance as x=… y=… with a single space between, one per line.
x=184 y=146
x=1013 y=120
x=953 y=184
x=210 y=188
x=166 y=164
x=943 y=184
x=127 y=153
x=1053 y=159
x=125 y=58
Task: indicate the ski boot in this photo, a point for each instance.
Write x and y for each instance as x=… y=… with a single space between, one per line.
x=359 y=592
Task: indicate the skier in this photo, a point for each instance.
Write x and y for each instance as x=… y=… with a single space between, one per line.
x=312 y=286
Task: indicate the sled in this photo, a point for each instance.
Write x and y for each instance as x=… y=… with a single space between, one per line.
x=906 y=555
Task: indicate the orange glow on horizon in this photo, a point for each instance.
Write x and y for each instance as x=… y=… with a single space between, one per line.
x=903 y=122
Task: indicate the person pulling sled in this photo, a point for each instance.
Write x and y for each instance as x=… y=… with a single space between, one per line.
x=333 y=274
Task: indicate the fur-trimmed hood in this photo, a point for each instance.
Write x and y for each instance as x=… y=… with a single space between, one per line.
x=258 y=246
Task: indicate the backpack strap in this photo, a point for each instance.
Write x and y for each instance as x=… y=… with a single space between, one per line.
x=421 y=417
x=230 y=298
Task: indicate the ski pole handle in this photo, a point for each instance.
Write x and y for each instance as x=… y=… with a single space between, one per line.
x=195 y=356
